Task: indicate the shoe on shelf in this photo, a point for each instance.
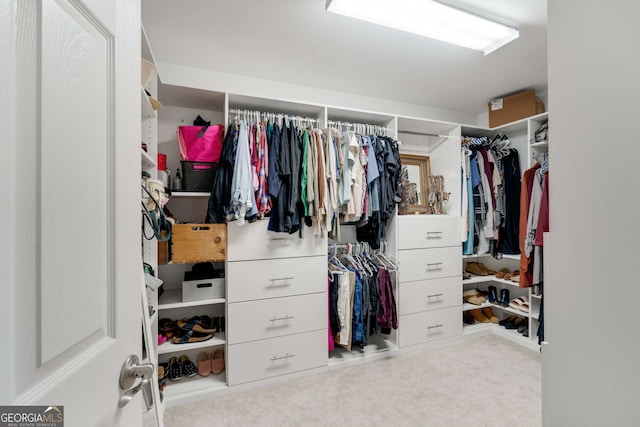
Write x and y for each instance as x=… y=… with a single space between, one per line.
x=489 y=271
x=489 y=314
x=217 y=362
x=190 y=337
x=175 y=369
x=204 y=364
x=520 y=303
x=478 y=316
x=508 y=319
x=467 y=318
x=474 y=268
x=515 y=324
x=493 y=294
x=500 y=274
x=472 y=296
x=189 y=369
x=523 y=327
x=504 y=298
x=466 y=276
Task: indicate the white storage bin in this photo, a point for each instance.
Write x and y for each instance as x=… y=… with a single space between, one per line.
x=198 y=290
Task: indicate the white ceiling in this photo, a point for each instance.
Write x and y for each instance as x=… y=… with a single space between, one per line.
x=297 y=41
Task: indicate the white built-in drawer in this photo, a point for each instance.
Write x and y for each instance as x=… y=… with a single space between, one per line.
x=419 y=328
x=269 y=318
x=428 y=231
x=256 y=360
x=251 y=280
x=253 y=241
x=421 y=264
x=427 y=295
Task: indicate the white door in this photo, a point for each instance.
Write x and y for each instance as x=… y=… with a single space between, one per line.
x=70 y=161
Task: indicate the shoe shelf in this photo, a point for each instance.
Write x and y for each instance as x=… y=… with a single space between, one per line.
x=147 y=109
x=467 y=307
x=147 y=160
x=173 y=299
x=484 y=279
x=541 y=144
x=504 y=256
x=170 y=347
x=194 y=387
x=189 y=194
x=511 y=310
x=536 y=296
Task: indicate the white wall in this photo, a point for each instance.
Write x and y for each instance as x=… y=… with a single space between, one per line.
x=591 y=366
x=180 y=75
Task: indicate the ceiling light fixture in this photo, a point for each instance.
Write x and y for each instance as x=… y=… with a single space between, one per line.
x=429 y=19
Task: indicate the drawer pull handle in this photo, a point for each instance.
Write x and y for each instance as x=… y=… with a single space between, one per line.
x=280 y=278
x=434 y=264
x=274 y=358
x=434 y=234
x=281 y=238
x=434 y=295
x=273 y=319
x=434 y=327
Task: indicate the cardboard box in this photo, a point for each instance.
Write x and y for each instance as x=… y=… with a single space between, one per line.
x=514 y=107
x=198 y=290
x=198 y=242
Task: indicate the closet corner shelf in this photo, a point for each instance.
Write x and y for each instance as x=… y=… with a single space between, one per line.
x=485 y=279
x=194 y=387
x=478 y=327
x=170 y=347
x=541 y=144
x=173 y=299
x=536 y=296
x=147 y=109
x=189 y=194
x=467 y=307
x=147 y=160
x=504 y=256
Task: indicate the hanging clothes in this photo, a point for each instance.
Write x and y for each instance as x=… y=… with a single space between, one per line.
x=525 y=195
x=219 y=206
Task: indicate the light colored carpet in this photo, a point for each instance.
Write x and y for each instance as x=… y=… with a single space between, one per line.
x=482 y=381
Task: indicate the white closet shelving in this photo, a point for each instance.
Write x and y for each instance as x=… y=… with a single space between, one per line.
x=149 y=252
x=521 y=136
x=251 y=346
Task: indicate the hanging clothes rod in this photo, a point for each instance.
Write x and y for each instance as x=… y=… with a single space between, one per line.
x=410 y=132
x=240 y=112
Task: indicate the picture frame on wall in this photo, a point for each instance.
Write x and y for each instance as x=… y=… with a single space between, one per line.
x=416 y=170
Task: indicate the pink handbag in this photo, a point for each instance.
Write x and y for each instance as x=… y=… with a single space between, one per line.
x=200 y=143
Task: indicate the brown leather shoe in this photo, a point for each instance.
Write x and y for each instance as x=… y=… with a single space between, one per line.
x=478 y=316
x=474 y=268
x=488 y=270
x=489 y=313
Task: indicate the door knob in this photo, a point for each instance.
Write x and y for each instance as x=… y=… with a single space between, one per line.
x=132 y=370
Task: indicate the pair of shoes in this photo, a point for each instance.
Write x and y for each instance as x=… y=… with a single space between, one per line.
x=210 y=364
x=166 y=327
x=183 y=367
x=482 y=315
x=520 y=303
x=195 y=329
x=512 y=322
x=473 y=296
x=504 y=298
x=510 y=276
x=479 y=269
x=500 y=274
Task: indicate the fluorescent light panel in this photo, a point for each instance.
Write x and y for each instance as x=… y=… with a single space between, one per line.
x=429 y=19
